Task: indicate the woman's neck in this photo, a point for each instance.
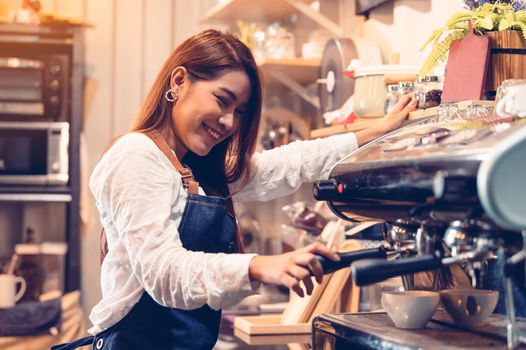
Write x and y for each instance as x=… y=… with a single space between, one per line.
x=174 y=142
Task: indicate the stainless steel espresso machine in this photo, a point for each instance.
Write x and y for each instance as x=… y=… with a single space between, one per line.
x=452 y=193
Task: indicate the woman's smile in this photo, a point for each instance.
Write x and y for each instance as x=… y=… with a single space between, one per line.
x=214 y=133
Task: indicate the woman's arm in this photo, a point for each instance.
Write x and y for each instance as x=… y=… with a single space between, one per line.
x=141 y=200
x=281 y=171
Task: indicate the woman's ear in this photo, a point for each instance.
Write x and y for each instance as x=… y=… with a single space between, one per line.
x=178 y=78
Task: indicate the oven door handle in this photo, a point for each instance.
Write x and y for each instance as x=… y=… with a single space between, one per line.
x=19 y=63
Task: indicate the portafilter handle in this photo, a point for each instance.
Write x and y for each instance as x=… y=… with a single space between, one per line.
x=370 y=271
x=346 y=259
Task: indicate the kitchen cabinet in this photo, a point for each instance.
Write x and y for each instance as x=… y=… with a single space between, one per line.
x=25 y=41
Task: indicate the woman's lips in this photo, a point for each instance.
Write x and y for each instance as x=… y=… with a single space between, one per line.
x=214 y=133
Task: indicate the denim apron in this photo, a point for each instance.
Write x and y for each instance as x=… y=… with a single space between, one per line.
x=205 y=226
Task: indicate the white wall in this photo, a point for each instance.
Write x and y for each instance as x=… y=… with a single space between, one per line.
x=131 y=39
x=404 y=25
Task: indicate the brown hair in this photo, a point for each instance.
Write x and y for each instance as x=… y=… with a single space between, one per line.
x=206 y=56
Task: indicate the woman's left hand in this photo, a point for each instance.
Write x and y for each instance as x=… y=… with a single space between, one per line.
x=398 y=114
x=391 y=121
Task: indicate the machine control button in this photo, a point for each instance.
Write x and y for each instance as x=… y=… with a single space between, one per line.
x=54 y=69
x=54 y=100
x=54 y=85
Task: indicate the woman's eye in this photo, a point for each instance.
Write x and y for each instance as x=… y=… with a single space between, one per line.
x=239 y=113
x=223 y=101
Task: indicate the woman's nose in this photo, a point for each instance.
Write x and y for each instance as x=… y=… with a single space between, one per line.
x=227 y=121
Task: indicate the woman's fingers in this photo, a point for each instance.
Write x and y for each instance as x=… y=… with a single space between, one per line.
x=292 y=283
x=312 y=264
x=300 y=274
x=404 y=102
x=318 y=248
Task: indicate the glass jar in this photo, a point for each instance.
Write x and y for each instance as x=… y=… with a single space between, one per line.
x=475 y=111
x=391 y=98
x=404 y=88
x=447 y=112
x=428 y=92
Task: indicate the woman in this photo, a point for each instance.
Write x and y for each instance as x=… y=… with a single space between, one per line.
x=174 y=257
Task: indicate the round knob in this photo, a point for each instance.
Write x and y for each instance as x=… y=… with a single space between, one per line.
x=55 y=69
x=54 y=100
x=54 y=85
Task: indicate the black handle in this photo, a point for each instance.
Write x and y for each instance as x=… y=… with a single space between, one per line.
x=349 y=257
x=325 y=190
x=375 y=270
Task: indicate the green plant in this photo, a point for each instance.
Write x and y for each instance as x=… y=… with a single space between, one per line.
x=487 y=17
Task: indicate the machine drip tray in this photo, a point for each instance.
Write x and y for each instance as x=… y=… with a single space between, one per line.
x=375 y=330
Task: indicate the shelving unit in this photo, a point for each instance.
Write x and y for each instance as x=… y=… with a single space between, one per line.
x=30 y=40
x=268 y=10
x=296 y=73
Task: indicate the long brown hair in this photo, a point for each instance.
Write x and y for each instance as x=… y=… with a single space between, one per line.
x=206 y=56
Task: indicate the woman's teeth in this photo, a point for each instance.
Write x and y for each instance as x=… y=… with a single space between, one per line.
x=212 y=132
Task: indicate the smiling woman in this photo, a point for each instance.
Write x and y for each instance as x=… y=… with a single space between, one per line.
x=207 y=112
x=172 y=253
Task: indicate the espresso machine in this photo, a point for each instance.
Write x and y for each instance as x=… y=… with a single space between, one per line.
x=451 y=194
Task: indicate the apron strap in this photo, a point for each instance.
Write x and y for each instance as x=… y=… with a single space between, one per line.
x=189 y=183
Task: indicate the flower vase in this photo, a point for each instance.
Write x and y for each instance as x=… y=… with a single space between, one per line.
x=507 y=58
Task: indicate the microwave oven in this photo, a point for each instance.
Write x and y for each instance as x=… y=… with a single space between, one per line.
x=34 y=153
x=34 y=88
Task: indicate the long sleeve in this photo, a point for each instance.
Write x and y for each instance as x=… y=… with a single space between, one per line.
x=281 y=171
x=141 y=201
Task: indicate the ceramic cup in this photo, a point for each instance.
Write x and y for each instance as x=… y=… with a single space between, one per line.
x=511 y=99
x=410 y=309
x=469 y=307
x=8 y=290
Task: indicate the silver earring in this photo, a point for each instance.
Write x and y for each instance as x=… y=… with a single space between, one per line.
x=171 y=95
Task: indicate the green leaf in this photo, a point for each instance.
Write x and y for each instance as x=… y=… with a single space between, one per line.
x=487 y=22
x=506 y=24
x=439 y=52
x=458 y=18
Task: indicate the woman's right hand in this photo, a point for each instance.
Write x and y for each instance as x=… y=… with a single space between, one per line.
x=290 y=269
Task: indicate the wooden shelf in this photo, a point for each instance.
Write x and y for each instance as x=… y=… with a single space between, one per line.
x=301 y=70
x=293 y=73
x=268 y=10
x=249 y=10
x=358 y=124
x=362 y=123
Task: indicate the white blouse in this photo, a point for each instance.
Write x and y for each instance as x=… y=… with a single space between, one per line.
x=140 y=199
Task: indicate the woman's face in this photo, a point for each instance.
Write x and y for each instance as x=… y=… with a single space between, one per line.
x=207 y=111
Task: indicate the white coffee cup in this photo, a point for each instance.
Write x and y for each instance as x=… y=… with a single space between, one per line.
x=8 y=286
x=511 y=99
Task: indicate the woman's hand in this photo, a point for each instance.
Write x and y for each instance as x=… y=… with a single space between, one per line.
x=291 y=268
x=391 y=121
